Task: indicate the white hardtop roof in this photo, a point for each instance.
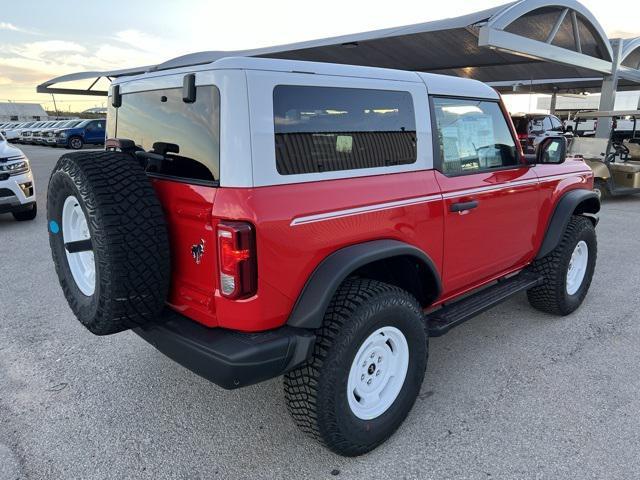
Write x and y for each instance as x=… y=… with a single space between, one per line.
x=436 y=84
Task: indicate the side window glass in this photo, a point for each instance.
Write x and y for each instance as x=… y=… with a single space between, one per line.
x=537 y=125
x=547 y=124
x=472 y=136
x=322 y=129
x=556 y=124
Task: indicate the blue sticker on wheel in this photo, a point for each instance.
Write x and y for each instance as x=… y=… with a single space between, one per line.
x=54 y=227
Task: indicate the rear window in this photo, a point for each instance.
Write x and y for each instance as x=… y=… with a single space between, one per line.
x=521 y=124
x=323 y=129
x=162 y=116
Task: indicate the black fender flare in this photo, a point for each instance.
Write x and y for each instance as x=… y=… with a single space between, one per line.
x=308 y=312
x=571 y=203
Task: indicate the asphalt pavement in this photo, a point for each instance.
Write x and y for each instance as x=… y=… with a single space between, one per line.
x=512 y=394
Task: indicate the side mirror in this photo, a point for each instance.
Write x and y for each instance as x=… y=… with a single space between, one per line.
x=552 y=150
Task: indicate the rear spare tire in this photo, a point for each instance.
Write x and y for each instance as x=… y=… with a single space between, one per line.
x=108 y=240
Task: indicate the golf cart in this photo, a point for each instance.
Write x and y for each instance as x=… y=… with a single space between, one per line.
x=615 y=160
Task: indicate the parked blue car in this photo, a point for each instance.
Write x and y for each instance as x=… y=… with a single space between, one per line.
x=86 y=132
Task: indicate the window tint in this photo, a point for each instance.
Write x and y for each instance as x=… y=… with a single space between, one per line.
x=521 y=124
x=321 y=129
x=547 y=124
x=472 y=135
x=162 y=116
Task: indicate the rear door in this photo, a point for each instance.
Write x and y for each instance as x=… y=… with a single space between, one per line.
x=491 y=196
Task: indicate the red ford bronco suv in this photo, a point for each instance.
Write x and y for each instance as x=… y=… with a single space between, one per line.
x=258 y=217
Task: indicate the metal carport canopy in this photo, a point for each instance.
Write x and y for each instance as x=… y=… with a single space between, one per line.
x=521 y=41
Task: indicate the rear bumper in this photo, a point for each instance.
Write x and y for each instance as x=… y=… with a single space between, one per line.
x=228 y=358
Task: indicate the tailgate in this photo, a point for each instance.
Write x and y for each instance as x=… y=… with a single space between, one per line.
x=193 y=247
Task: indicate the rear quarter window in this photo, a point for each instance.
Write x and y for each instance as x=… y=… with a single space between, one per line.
x=323 y=129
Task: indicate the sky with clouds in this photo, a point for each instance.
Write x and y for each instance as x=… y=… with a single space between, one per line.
x=43 y=39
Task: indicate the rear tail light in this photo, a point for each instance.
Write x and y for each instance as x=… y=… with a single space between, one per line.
x=522 y=136
x=237 y=260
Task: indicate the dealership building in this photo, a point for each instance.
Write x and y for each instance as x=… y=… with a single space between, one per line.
x=21 y=112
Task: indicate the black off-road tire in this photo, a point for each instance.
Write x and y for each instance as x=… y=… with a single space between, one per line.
x=316 y=393
x=26 y=215
x=552 y=296
x=128 y=234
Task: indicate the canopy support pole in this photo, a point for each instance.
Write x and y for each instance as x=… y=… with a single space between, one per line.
x=554 y=99
x=609 y=87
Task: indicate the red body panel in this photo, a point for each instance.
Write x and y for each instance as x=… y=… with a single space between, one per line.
x=496 y=236
x=299 y=225
x=189 y=220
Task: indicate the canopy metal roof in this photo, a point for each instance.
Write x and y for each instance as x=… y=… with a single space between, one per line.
x=559 y=85
x=603 y=113
x=523 y=41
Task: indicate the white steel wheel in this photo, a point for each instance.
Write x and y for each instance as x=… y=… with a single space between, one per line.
x=77 y=240
x=377 y=373
x=577 y=267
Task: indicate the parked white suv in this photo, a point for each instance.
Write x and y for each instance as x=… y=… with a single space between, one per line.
x=17 y=188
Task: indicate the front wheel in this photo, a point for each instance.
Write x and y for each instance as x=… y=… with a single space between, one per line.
x=76 y=143
x=366 y=370
x=567 y=271
x=26 y=215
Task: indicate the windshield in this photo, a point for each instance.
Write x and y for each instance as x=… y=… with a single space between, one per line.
x=70 y=124
x=162 y=116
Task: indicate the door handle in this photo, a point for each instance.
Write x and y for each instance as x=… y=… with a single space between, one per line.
x=462 y=206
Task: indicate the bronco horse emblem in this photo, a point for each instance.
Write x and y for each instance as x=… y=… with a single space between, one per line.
x=197 y=251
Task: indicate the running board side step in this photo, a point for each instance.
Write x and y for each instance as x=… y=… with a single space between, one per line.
x=456 y=313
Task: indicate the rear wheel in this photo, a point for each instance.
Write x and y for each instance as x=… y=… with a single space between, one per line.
x=567 y=271
x=26 y=215
x=108 y=240
x=366 y=371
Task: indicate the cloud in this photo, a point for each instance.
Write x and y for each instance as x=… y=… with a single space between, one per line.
x=28 y=64
x=44 y=48
x=20 y=75
x=138 y=40
x=622 y=34
x=8 y=26
x=13 y=28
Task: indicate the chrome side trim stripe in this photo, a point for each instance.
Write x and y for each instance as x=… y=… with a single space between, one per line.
x=490 y=188
x=550 y=178
x=505 y=186
x=320 y=217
